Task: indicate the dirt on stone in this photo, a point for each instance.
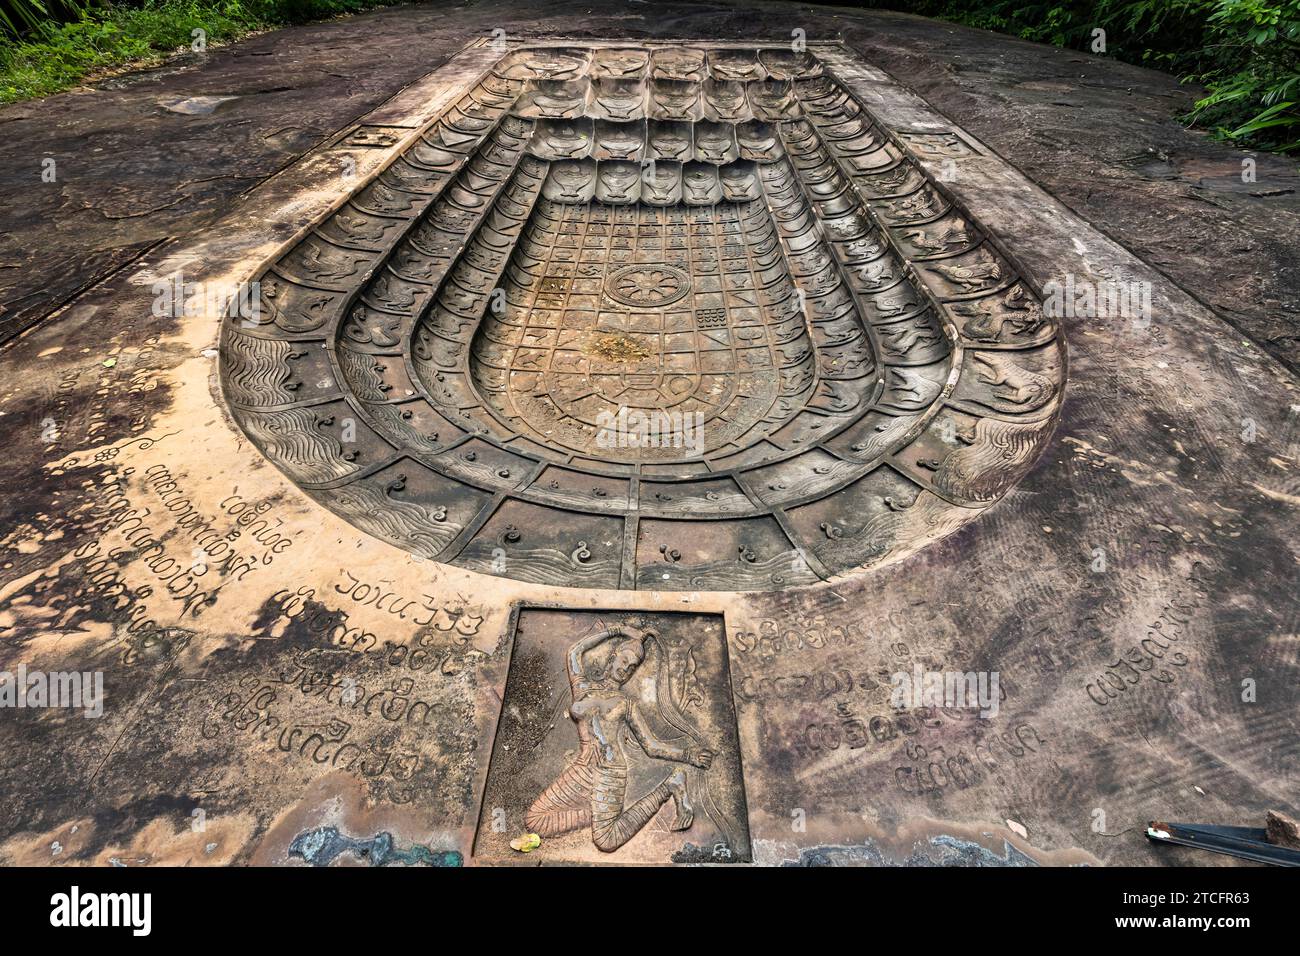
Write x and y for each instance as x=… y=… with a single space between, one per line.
x=617 y=348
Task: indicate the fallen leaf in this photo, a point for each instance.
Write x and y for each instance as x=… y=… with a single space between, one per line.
x=526 y=843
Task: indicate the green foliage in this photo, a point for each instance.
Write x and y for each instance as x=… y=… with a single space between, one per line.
x=304 y=11
x=55 y=56
x=1253 y=78
x=19 y=17
x=50 y=45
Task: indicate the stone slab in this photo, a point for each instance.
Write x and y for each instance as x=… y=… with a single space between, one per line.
x=269 y=687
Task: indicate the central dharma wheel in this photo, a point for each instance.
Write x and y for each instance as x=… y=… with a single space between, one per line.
x=648 y=286
x=655 y=317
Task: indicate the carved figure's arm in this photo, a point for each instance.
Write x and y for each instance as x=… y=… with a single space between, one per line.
x=651 y=744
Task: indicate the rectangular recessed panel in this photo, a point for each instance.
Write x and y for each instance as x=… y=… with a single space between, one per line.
x=617 y=742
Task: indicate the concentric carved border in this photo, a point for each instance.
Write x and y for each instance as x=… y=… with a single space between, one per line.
x=353 y=379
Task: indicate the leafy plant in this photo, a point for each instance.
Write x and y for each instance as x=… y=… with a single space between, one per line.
x=1253 y=79
x=20 y=17
x=49 y=45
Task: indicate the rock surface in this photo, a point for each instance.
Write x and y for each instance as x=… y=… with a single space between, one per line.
x=282 y=687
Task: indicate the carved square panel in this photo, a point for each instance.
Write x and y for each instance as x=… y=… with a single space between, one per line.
x=617 y=742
